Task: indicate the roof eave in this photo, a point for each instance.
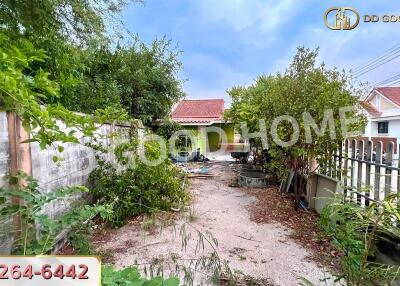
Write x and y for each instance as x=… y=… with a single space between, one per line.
x=382 y=94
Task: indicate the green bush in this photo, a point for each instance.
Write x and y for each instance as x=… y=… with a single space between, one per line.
x=138 y=189
x=354 y=231
x=168 y=128
x=131 y=276
x=29 y=239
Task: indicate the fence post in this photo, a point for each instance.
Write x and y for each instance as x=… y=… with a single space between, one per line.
x=20 y=158
x=339 y=168
x=398 y=172
x=360 y=155
x=368 y=158
x=353 y=166
x=388 y=171
x=330 y=164
x=346 y=166
x=378 y=160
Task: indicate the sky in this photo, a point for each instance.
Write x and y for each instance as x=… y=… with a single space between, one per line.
x=227 y=43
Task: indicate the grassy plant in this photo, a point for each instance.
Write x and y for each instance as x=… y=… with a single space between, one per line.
x=240 y=279
x=192 y=215
x=149 y=222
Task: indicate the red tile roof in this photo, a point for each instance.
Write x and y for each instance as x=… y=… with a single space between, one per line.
x=392 y=93
x=201 y=111
x=370 y=108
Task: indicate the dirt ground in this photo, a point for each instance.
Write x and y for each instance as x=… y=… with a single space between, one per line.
x=254 y=246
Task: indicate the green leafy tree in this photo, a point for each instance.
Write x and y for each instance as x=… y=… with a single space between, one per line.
x=22 y=92
x=168 y=128
x=142 y=79
x=81 y=56
x=78 y=20
x=66 y=29
x=96 y=87
x=148 y=75
x=304 y=87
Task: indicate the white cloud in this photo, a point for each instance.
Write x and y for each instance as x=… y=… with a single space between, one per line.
x=277 y=12
x=219 y=77
x=242 y=14
x=198 y=93
x=347 y=49
x=218 y=72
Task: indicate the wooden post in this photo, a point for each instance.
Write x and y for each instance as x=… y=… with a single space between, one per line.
x=20 y=158
x=296 y=191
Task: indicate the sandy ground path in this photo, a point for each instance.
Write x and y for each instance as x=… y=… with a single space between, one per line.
x=259 y=250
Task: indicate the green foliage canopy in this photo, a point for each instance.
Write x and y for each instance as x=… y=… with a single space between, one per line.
x=140 y=78
x=81 y=40
x=168 y=128
x=304 y=87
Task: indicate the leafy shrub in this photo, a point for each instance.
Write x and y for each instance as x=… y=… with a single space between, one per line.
x=130 y=277
x=37 y=232
x=139 y=188
x=355 y=231
x=168 y=129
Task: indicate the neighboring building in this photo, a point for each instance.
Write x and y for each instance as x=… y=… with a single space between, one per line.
x=383 y=112
x=196 y=115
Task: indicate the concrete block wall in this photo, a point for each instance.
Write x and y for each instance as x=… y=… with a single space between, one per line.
x=76 y=163
x=5 y=226
x=4 y=150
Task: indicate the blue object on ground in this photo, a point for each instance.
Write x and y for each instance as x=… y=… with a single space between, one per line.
x=204 y=170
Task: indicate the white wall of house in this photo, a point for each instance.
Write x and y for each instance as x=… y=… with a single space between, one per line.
x=371 y=129
x=368 y=131
x=394 y=128
x=390 y=112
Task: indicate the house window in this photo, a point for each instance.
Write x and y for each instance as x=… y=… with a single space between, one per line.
x=383 y=127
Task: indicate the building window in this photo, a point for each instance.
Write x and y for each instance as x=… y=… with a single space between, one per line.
x=383 y=127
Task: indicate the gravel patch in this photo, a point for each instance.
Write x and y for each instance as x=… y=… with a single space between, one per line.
x=264 y=250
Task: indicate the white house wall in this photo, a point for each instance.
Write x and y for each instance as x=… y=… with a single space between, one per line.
x=368 y=129
x=375 y=99
x=372 y=128
x=386 y=104
x=394 y=128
